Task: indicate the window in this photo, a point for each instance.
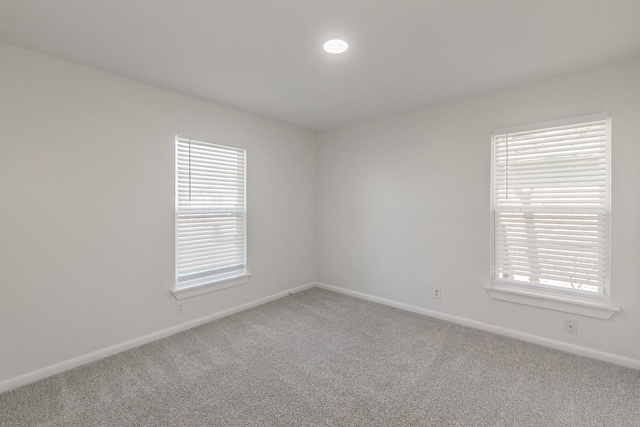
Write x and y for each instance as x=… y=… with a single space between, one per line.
x=210 y=213
x=551 y=208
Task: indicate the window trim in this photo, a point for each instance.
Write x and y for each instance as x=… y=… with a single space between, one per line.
x=584 y=307
x=572 y=302
x=216 y=282
x=220 y=283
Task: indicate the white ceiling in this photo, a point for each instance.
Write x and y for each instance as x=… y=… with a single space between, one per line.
x=266 y=57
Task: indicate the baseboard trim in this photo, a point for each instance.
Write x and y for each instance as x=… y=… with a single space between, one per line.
x=66 y=365
x=75 y=362
x=547 y=342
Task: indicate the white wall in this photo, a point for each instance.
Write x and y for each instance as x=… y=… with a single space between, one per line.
x=401 y=205
x=404 y=205
x=87 y=208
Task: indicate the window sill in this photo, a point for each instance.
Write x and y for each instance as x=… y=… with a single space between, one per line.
x=595 y=309
x=212 y=285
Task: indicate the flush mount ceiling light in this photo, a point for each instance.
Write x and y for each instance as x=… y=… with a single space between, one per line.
x=335 y=46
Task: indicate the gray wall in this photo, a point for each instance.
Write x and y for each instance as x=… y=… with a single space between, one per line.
x=404 y=206
x=87 y=209
x=401 y=205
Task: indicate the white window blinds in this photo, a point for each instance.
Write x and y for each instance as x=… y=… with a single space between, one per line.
x=551 y=207
x=210 y=211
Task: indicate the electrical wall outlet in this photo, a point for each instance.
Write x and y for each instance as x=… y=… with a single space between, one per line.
x=571 y=326
x=179 y=307
x=437 y=293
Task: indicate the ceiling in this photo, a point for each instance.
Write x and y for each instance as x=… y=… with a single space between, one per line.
x=265 y=56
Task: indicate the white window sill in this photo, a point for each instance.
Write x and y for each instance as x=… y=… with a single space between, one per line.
x=596 y=309
x=211 y=285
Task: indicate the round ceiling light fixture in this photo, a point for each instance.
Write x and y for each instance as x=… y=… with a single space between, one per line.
x=335 y=46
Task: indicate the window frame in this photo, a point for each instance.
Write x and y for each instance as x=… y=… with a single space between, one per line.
x=546 y=296
x=206 y=283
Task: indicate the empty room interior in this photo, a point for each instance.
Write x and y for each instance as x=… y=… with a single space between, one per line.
x=366 y=212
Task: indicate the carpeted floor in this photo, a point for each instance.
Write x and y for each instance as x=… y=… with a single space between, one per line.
x=319 y=358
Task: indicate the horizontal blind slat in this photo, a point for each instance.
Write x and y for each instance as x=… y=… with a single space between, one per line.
x=543 y=179
x=210 y=216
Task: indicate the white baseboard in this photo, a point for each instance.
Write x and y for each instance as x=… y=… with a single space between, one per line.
x=547 y=342
x=118 y=348
x=66 y=365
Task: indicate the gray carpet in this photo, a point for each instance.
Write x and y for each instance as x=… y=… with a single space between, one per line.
x=318 y=358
